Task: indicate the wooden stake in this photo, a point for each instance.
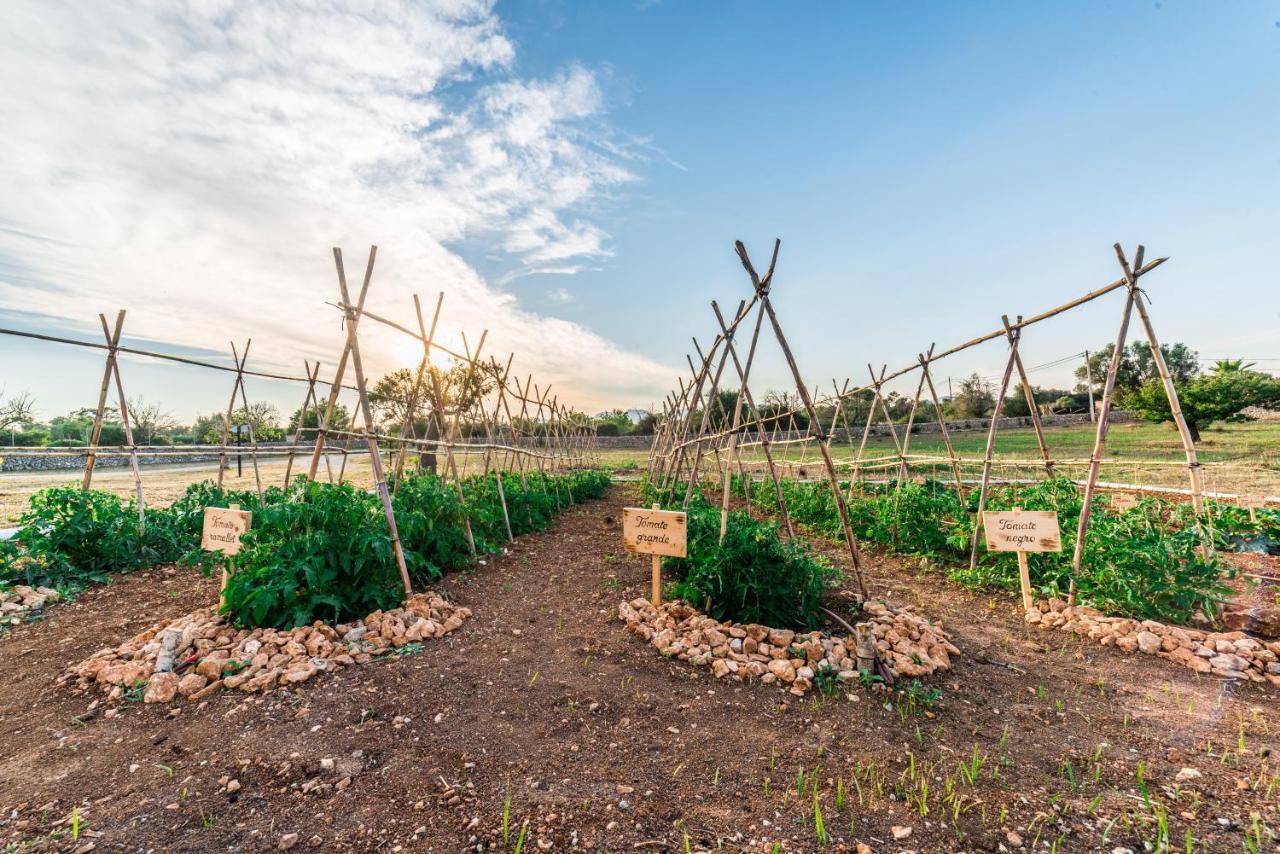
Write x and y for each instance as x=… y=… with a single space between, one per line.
x=762 y=289
x=375 y=458
x=1104 y=420
x=336 y=386
x=124 y=420
x=657 y=570
x=991 y=445
x=1030 y=398
x=91 y=458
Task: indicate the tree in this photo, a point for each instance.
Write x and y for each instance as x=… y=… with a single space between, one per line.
x=16 y=410
x=648 y=424
x=1137 y=366
x=615 y=422
x=1218 y=396
x=391 y=395
x=148 y=420
x=314 y=413
x=263 y=416
x=974 y=400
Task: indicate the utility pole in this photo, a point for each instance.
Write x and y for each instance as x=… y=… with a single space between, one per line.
x=1088 y=383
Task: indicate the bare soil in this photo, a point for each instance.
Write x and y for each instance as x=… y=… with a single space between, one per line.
x=544 y=703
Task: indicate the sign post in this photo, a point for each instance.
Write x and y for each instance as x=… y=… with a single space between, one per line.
x=1122 y=501
x=654 y=532
x=222 y=530
x=1022 y=531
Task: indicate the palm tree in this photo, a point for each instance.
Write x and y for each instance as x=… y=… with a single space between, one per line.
x=1231 y=366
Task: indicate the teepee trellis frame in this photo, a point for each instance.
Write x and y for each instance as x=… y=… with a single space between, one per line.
x=686 y=437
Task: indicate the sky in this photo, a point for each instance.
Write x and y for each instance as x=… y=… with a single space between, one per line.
x=572 y=177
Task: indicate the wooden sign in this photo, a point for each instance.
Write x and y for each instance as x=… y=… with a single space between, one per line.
x=1022 y=531
x=1122 y=501
x=653 y=532
x=223 y=527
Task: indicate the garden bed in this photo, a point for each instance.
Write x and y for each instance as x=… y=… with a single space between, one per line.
x=1231 y=655
x=199 y=654
x=908 y=644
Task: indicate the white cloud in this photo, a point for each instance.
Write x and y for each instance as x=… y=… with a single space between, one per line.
x=194 y=162
x=560 y=295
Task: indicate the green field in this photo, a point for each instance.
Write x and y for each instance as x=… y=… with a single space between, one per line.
x=1243 y=457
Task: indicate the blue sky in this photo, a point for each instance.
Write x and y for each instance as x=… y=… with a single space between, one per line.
x=931 y=166
x=927 y=166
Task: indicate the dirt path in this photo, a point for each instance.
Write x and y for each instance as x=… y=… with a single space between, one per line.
x=603 y=744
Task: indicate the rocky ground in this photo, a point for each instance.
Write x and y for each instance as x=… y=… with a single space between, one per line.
x=544 y=715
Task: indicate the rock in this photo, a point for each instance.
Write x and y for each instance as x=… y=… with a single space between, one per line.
x=232 y=786
x=782 y=669
x=210 y=668
x=298 y=672
x=161 y=688
x=287 y=841
x=1149 y=642
x=1186 y=774
x=191 y=683
x=900 y=832
x=1014 y=839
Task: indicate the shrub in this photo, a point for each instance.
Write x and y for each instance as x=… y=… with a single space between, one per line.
x=753 y=576
x=73 y=536
x=322 y=553
x=1143 y=563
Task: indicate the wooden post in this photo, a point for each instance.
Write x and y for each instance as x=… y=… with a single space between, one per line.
x=762 y=288
x=124 y=420
x=990 y=452
x=1030 y=397
x=91 y=458
x=1024 y=578
x=745 y=392
x=248 y=416
x=423 y=365
x=942 y=423
x=312 y=376
x=657 y=569
x=336 y=386
x=1171 y=391
x=375 y=458
x=1104 y=419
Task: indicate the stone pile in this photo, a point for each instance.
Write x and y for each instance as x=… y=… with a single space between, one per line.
x=16 y=602
x=909 y=644
x=196 y=655
x=1232 y=655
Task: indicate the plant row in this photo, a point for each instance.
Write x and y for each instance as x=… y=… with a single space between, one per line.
x=314 y=551
x=1144 y=562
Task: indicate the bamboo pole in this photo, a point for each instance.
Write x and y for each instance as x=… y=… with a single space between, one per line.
x=942 y=423
x=248 y=416
x=337 y=377
x=743 y=374
x=96 y=432
x=302 y=414
x=1030 y=398
x=375 y=458
x=1104 y=420
x=124 y=420
x=762 y=289
x=991 y=445
x=1171 y=391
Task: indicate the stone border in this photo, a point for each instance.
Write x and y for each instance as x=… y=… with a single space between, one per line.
x=909 y=644
x=1232 y=655
x=20 y=603
x=198 y=654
